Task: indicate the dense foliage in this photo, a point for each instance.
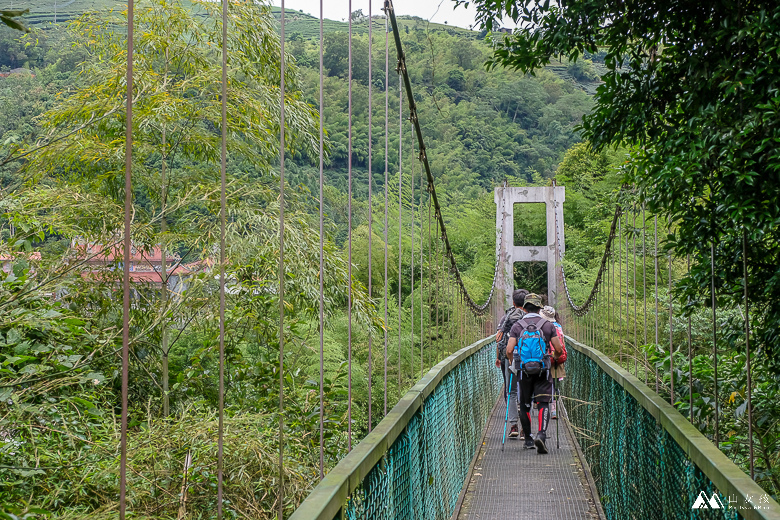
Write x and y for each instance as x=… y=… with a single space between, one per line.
x=480 y=128
x=62 y=127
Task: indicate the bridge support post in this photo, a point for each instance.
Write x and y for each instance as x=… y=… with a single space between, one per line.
x=508 y=253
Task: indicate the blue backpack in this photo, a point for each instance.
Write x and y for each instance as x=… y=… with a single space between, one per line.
x=531 y=351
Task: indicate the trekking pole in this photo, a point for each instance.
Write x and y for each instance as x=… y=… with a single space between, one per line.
x=506 y=417
x=558 y=422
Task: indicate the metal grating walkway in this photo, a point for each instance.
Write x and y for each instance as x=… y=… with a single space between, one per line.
x=521 y=484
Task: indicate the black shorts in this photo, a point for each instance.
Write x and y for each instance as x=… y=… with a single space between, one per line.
x=540 y=386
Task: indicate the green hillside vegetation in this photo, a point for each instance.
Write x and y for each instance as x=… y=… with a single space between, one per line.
x=42 y=12
x=481 y=128
x=308 y=26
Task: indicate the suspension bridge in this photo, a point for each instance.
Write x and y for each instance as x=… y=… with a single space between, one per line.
x=619 y=449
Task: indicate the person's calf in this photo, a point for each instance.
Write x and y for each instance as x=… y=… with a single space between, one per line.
x=544 y=416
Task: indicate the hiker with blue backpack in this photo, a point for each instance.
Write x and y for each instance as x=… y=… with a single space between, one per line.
x=529 y=341
x=512 y=316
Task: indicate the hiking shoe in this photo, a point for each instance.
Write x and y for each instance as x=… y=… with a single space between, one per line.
x=513 y=433
x=541 y=448
x=529 y=443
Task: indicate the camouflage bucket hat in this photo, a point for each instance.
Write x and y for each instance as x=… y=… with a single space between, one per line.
x=533 y=299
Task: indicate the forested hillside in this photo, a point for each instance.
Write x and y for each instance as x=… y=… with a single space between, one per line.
x=480 y=127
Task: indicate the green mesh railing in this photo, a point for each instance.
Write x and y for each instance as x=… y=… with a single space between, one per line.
x=647 y=460
x=414 y=464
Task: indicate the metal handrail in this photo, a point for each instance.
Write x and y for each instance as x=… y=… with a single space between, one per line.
x=331 y=494
x=727 y=477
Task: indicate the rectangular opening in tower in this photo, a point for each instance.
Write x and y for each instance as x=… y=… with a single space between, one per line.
x=530 y=224
x=531 y=276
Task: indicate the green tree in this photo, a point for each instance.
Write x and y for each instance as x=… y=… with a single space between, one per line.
x=335 y=57
x=696 y=96
x=456 y=80
x=360 y=259
x=177 y=93
x=465 y=54
x=582 y=69
x=176 y=113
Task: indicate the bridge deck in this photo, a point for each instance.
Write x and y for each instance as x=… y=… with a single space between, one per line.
x=521 y=484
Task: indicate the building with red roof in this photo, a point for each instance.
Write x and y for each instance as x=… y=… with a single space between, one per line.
x=146 y=264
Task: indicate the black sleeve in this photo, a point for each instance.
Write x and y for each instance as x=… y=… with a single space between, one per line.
x=507 y=327
x=516 y=330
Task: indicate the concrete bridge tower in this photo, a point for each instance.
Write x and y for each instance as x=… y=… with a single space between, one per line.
x=508 y=253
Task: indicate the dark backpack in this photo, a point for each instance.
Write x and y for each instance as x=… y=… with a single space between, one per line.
x=531 y=351
x=512 y=316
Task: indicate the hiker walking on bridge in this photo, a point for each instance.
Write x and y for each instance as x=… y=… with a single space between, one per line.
x=512 y=316
x=533 y=335
x=557 y=361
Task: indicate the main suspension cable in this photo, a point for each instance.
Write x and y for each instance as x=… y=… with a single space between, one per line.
x=582 y=310
x=468 y=300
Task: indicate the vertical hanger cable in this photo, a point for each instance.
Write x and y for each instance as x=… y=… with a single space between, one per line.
x=387 y=180
x=370 y=214
x=349 y=232
x=222 y=224
x=322 y=249
x=128 y=211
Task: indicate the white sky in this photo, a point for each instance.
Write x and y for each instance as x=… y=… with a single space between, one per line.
x=438 y=11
